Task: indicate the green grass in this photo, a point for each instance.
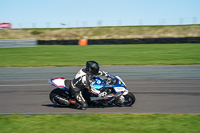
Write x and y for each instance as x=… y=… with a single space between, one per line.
x=100 y=123
x=143 y=54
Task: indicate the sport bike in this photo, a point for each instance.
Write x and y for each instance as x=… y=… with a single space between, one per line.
x=114 y=86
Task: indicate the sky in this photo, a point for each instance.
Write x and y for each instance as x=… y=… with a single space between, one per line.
x=91 y=13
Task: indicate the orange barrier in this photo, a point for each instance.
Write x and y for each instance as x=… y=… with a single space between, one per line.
x=5 y=25
x=83 y=42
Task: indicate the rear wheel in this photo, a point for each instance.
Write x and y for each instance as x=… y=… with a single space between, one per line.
x=58 y=97
x=125 y=100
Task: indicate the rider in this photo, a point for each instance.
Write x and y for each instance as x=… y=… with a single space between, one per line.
x=82 y=80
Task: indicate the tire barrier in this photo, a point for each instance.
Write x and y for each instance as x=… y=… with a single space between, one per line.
x=120 y=41
x=58 y=42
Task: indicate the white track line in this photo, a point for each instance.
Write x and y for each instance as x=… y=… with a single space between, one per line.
x=27 y=85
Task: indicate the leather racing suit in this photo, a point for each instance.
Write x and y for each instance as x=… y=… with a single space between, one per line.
x=81 y=81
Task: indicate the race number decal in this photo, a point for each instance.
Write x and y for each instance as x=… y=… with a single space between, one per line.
x=119 y=89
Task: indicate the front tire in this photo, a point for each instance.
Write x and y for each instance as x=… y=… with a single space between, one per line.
x=128 y=100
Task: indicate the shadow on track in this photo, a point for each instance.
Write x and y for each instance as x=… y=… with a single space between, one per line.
x=74 y=107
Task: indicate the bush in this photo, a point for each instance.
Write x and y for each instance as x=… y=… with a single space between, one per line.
x=36 y=32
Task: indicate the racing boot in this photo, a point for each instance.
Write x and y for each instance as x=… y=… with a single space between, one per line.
x=81 y=103
x=77 y=104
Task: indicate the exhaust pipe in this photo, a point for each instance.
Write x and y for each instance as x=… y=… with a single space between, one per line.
x=62 y=100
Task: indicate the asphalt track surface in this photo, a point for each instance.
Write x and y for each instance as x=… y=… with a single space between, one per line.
x=158 y=89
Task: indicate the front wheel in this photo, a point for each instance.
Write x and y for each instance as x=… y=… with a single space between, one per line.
x=125 y=100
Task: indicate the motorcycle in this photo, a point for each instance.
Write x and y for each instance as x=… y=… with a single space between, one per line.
x=114 y=86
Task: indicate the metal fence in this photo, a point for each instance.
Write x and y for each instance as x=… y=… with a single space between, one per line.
x=18 y=43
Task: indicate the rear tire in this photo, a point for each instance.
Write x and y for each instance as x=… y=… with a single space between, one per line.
x=54 y=94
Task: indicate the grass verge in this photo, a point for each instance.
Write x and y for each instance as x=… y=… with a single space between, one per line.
x=143 y=54
x=100 y=123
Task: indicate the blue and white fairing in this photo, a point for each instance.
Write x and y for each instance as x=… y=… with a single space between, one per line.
x=98 y=83
x=119 y=86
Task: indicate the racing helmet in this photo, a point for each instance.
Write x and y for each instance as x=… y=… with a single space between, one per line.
x=92 y=67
